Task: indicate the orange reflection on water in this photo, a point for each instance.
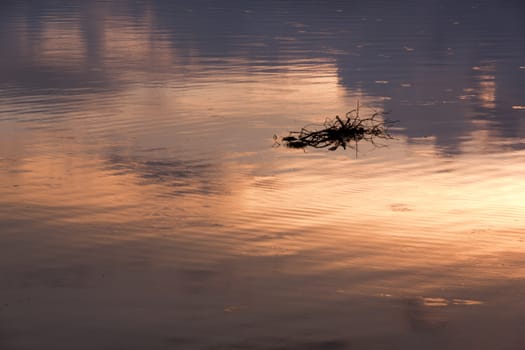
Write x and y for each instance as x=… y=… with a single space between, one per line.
x=61 y=43
x=487 y=85
x=139 y=186
x=140 y=46
x=187 y=171
x=428 y=213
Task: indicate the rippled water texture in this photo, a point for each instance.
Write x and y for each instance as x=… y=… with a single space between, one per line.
x=142 y=205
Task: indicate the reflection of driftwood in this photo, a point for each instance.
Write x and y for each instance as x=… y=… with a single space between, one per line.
x=341 y=132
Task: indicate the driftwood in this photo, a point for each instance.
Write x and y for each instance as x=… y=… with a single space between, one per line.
x=340 y=132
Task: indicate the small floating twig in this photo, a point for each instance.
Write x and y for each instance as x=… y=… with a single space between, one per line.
x=341 y=132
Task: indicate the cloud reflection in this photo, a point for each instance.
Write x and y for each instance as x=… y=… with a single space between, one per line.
x=89 y=46
x=139 y=188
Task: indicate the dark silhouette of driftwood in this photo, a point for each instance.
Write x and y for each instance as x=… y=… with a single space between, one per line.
x=341 y=132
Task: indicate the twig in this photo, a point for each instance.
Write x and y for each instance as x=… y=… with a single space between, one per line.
x=339 y=132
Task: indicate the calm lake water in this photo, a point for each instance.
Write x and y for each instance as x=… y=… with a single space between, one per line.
x=143 y=205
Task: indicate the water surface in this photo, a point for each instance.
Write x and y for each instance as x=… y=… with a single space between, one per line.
x=142 y=205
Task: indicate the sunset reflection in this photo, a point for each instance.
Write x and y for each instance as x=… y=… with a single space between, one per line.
x=487 y=85
x=142 y=193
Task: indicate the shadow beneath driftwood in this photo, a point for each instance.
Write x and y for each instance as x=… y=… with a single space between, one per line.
x=338 y=132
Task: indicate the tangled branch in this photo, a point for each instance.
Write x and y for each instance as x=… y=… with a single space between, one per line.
x=340 y=132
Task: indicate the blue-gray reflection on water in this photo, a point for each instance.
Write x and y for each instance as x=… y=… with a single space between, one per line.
x=142 y=206
x=409 y=54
